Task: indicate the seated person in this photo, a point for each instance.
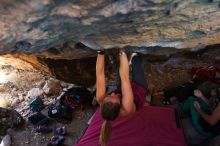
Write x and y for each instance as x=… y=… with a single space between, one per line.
x=211 y=122
x=179 y=93
x=182 y=92
x=194 y=130
x=129 y=97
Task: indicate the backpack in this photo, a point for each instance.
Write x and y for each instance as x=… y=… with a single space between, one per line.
x=37 y=104
x=60 y=111
x=77 y=97
x=38 y=118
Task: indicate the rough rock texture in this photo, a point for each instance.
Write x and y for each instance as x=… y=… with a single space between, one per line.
x=9 y=119
x=60 y=36
x=82 y=71
x=59 y=28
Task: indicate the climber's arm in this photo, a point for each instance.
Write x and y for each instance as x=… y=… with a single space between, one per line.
x=128 y=105
x=211 y=119
x=100 y=78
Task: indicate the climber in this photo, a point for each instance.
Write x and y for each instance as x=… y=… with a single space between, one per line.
x=129 y=96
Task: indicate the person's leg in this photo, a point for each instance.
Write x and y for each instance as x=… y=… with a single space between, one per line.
x=191 y=135
x=137 y=73
x=186 y=106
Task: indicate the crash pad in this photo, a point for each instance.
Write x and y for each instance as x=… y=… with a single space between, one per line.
x=149 y=126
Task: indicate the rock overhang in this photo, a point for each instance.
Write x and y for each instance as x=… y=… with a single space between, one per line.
x=36 y=26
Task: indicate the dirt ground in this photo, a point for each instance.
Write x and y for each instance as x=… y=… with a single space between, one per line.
x=14 y=87
x=28 y=137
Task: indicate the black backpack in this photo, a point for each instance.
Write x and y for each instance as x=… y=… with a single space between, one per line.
x=77 y=97
x=38 y=118
x=60 y=111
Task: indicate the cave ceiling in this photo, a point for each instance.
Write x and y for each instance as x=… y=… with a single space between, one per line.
x=70 y=29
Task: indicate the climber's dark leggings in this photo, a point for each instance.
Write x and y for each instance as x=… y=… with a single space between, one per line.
x=137 y=72
x=137 y=75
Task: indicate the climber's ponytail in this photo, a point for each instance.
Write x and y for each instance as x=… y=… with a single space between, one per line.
x=105 y=133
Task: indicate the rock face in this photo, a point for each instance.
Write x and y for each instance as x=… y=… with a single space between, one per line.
x=67 y=29
x=60 y=36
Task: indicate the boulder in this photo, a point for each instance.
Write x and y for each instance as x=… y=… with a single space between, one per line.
x=52 y=87
x=6 y=141
x=35 y=92
x=9 y=119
